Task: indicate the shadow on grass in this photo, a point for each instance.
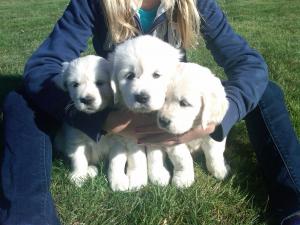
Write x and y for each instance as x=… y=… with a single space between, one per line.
x=9 y=82
x=245 y=169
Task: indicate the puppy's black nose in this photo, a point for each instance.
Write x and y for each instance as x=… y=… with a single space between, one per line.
x=87 y=100
x=164 y=122
x=142 y=97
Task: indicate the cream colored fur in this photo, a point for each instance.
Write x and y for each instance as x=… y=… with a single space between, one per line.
x=83 y=78
x=142 y=68
x=195 y=98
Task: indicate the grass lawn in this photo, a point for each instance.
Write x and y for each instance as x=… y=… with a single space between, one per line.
x=270 y=26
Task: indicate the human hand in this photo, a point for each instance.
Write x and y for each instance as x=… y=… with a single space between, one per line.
x=156 y=136
x=143 y=128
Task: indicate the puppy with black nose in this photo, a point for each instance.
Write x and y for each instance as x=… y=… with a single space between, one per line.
x=194 y=98
x=142 y=69
x=87 y=81
x=142 y=98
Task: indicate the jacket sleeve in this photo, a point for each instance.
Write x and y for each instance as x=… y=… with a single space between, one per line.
x=67 y=40
x=245 y=69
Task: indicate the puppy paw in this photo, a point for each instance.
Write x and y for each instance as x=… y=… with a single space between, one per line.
x=137 y=180
x=219 y=171
x=160 y=177
x=119 y=183
x=78 y=178
x=92 y=171
x=183 y=179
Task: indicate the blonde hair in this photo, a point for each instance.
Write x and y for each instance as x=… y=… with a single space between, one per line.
x=182 y=13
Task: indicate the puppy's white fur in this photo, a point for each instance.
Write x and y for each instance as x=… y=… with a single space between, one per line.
x=195 y=98
x=86 y=77
x=142 y=68
x=87 y=81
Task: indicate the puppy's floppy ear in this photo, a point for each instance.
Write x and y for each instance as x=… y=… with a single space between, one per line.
x=103 y=65
x=204 y=112
x=214 y=104
x=113 y=78
x=59 y=79
x=114 y=87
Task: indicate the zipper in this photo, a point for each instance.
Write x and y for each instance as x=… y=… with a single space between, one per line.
x=138 y=23
x=159 y=20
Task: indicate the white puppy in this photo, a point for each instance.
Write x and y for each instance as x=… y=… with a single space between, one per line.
x=87 y=81
x=142 y=68
x=195 y=98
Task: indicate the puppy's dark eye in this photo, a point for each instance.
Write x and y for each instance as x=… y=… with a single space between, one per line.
x=74 y=84
x=156 y=75
x=130 y=76
x=99 y=83
x=184 y=103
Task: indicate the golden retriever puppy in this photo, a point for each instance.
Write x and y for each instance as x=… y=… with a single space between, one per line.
x=195 y=98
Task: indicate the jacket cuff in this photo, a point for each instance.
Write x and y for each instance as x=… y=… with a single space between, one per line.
x=230 y=118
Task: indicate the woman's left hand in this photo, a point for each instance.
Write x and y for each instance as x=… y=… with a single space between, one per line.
x=154 y=136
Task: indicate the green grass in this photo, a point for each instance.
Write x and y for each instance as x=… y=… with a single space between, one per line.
x=270 y=26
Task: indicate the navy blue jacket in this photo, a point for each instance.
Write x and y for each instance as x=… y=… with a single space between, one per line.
x=83 y=19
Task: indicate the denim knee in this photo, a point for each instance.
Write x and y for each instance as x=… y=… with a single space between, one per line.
x=10 y=100
x=22 y=111
x=15 y=106
x=273 y=90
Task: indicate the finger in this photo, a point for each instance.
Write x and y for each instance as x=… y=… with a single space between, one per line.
x=194 y=133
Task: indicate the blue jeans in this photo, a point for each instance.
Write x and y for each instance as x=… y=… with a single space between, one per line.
x=277 y=151
x=26 y=164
